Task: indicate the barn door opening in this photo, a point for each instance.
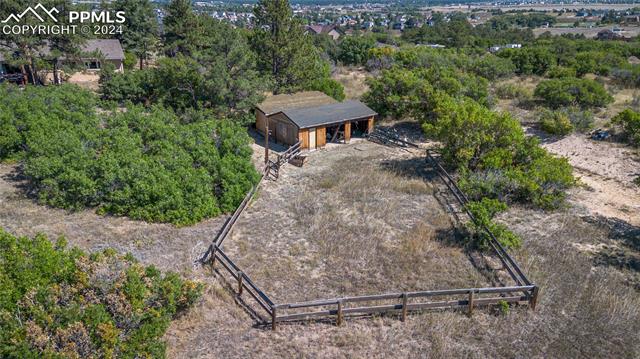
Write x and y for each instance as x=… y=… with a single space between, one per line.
x=312 y=139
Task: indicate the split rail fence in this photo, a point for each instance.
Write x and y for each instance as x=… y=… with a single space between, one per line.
x=525 y=292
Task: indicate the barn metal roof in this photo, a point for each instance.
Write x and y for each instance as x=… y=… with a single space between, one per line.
x=328 y=114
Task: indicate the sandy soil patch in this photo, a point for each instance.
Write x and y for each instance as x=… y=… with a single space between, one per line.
x=607 y=170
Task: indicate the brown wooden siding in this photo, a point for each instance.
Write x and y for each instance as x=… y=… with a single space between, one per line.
x=370 y=125
x=347 y=132
x=321 y=134
x=260 y=121
x=282 y=129
x=303 y=136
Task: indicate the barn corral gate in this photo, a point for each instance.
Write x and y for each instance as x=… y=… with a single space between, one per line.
x=523 y=293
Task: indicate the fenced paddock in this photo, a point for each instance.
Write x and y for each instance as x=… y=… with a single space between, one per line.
x=400 y=303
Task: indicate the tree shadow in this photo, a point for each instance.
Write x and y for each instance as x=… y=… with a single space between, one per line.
x=624 y=254
x=18 y=180
x=412 y=168
x=407 y=130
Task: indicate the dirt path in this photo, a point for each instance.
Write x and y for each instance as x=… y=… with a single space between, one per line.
x=607 y=171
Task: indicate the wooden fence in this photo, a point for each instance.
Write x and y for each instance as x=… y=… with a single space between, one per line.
x=272 y=169
x=401 y=303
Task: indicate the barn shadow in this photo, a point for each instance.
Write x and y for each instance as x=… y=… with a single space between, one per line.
x=259 y=139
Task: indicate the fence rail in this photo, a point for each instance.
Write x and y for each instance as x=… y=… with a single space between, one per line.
x=473 y=297
x=272 y=169
x=243 y=280
x=512 y=267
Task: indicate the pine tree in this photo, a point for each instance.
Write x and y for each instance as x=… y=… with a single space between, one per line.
x=179 y=27
x=283 y=48
x=140 y=33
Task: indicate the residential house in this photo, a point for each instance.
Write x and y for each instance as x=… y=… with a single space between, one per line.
x=330 y=30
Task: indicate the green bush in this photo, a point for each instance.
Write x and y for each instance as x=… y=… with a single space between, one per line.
x=530 y=60
x=556 y=72
x=572 y=91
x=629 y=123
x=484 y=211
x=146 y=164
x=58 y=302
x=555 y=122
x=492 y=67
x=354 y=50
x=403 y=93
x=130 y=60
x=495 y=158
x=329 y=87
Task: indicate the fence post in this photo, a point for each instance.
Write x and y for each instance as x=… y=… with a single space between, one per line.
x=240 y=275
x=273 y=318
x=213 y=257
x=534 y=298
x=340 y=317
x=470 y=309
x=405 y=298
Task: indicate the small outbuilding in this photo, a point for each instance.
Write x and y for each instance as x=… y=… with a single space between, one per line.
x=312 y=118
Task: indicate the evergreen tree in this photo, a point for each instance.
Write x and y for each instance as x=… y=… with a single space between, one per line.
x=140 y=34
x=282 y=47
x=179 y=26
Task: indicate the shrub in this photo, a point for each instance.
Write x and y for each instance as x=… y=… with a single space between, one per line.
x=150 y=165
x=24 y=109
x=556 y=72
x=627 y=76
x=354 y=50
x=637 y=181
x=629 y=123
x=530 y=61
x=572 y=91
x=555 y=122
x=402 y=93
x=58 y=302
x=495 y=157
x=492 y=67
x=484 y=211
x=581 y=120
x=329 y=87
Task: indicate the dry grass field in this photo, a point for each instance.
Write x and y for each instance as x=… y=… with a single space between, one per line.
x=356 y=219
x=353 y=80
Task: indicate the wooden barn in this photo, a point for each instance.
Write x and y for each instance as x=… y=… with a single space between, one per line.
x=312 y=118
